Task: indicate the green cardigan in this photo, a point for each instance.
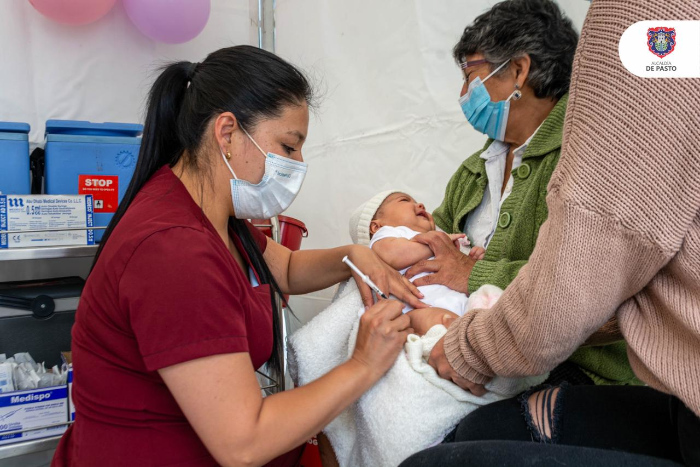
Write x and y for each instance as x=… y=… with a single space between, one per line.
x=521 y=216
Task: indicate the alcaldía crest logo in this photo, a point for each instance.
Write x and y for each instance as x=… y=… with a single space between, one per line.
x=661 y=41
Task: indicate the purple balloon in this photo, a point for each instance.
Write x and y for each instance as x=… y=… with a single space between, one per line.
x=169 y=21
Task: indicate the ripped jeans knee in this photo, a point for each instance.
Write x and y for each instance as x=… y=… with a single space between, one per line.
x=541 y=408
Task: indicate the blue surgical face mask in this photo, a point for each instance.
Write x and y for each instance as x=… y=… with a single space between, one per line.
x=486 y=116
x=279 y=186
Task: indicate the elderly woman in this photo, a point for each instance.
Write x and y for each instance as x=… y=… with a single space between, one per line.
x=516 y=59
x=622 y=240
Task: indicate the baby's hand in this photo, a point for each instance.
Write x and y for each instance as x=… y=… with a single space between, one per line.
x=459 y=239
x=477 y=253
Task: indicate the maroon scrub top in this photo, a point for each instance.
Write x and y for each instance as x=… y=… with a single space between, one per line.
x=164 y=291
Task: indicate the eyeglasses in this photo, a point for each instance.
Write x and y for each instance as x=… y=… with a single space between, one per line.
x=465 y=65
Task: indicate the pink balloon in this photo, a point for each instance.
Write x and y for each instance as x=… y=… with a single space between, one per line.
x=74 y=12
x=169 y=21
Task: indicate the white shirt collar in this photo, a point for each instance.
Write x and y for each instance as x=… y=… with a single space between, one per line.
x=520 y=150
x=495 y=149
x=498 y=148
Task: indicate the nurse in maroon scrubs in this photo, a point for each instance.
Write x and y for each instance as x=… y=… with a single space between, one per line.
x=177 y=313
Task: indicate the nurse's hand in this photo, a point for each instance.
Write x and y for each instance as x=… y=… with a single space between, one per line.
x=382 y=334
x=450 y=267
x=384 y=276
x=438 y=360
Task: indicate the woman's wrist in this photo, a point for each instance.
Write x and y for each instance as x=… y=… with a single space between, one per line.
x=353 y=253
x=362 y=372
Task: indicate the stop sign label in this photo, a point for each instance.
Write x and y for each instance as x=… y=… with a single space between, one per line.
x=104 y=190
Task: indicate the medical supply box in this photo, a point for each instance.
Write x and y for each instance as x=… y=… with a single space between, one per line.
x=20 y=411
x=95 y=159
x=27 y=414
x=40 y=220
x=14 y=158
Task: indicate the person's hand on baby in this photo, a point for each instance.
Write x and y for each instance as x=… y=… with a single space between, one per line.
x=438 y=360
x=459 y=240
x=463 y=244
x=450 y=267
x=425 y=318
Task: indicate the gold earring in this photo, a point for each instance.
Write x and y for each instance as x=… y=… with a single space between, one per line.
x=228 y=155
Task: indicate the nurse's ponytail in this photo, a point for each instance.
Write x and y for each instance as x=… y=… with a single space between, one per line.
x=160 y=144
x=251 y=83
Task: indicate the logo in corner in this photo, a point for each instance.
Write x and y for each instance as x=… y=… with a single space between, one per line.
x=125 y=159
x=661 y=41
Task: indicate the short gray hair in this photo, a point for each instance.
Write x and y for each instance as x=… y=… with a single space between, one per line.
x=535 y=27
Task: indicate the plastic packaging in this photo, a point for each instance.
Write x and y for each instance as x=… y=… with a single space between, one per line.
x=21 y=373
x=6 y=381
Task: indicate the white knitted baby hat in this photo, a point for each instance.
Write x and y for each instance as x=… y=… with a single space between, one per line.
x=362 y=217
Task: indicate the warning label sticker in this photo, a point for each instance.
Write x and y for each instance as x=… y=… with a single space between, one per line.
x=104 y=190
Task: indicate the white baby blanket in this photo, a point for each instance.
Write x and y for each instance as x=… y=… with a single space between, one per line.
x=409 y=409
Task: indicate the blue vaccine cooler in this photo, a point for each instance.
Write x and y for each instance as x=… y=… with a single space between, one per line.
x=14 y=159
x=95 y=159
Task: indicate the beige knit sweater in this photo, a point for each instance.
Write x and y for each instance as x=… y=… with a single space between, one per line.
x=623 y=234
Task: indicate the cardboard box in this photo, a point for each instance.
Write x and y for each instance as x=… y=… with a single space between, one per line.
x=21 y=411
x=36 y=408
x=36 y=220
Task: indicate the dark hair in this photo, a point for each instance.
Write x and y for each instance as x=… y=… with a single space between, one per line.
x=534 y=27
x=249 y=82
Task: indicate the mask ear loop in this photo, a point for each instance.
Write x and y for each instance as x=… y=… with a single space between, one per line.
x=495 y=71
x=226 y=157
x=254 y=142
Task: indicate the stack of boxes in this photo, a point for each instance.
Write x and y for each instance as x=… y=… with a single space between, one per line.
x=87 y=169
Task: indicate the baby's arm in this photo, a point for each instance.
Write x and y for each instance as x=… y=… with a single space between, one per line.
x=400 y=253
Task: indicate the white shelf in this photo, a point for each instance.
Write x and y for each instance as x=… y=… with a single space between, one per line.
x=29 y=447
x=48 y=252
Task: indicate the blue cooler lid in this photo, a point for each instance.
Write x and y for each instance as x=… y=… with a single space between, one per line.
x=85 y=128
x=14 y=131
x=14 y=127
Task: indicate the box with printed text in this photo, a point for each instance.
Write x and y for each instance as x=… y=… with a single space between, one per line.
x=39 y=220
x=95 y=159
x=46 y=409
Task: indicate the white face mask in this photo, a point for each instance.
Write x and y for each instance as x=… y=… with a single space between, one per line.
x=279 y=186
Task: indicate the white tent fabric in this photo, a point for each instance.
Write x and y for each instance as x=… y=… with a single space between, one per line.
x=388 y=115
x=101 y=71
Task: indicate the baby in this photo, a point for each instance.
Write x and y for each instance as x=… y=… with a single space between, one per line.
x=387 y=223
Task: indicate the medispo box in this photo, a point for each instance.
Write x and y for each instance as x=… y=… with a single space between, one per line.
x=14 y=158
x=95 y=159
x=45 y=409
x=37 y=220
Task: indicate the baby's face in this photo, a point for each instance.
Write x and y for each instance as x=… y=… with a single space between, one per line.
x=400 y=209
